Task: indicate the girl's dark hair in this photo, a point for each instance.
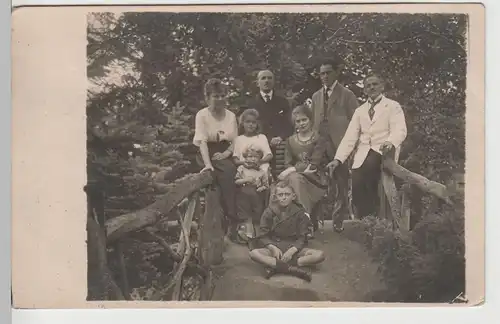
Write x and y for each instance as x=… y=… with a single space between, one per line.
x=301 y=110
x=245 y=114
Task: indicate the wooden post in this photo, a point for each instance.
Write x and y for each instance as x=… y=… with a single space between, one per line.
x=415 y=206
x=211 y=239
x=389 y=199
x=391 y=194
x=382 y=212
x=406 y=207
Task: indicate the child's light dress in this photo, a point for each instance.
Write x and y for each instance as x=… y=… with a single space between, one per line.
x=242 y=142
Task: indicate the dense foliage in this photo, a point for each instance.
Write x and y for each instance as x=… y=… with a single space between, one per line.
x=424 y=265
x=146 y=73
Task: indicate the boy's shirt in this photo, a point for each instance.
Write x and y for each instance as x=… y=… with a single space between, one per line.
x=260 y=176
x=288 y=225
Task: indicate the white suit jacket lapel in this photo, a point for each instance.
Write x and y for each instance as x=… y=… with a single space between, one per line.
x=365 y=107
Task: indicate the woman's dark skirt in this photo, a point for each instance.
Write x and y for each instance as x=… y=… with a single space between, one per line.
x=224 y=174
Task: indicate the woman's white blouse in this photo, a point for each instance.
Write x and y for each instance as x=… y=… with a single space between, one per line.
x=209 y=129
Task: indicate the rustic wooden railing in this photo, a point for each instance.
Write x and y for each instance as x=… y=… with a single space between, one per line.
x=181 y=204
x=397 y=205
x=193 y=204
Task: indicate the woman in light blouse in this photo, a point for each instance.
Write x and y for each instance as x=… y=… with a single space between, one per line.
x=215 y=130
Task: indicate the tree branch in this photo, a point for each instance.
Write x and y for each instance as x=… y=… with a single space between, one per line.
x=182 y=266
x=379 y=41
x=177 y=278
x=448 y=39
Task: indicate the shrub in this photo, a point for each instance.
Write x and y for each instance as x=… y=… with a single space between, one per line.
x=424 y=265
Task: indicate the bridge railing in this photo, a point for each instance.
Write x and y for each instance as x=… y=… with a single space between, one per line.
x=188 y=199
x=397 y=205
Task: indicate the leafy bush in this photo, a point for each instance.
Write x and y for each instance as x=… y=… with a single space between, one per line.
x=424 y=265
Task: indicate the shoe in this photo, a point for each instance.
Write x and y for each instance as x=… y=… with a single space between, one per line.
x=300 y=273
x=233 y=235
x=338 y=229
x=270 y=272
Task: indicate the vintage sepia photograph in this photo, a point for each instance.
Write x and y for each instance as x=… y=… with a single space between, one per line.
x=281 y=156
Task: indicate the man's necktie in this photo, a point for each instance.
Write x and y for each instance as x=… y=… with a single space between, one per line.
x=371 y=111
x=325 y=105
x=267 y=98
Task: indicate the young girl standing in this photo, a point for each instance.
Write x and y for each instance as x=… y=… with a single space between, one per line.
x=251 y=137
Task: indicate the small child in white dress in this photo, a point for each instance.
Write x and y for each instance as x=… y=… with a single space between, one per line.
x=251 y=137
x=251 y=182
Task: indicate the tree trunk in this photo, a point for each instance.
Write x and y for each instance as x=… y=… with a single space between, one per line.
x=101 y=284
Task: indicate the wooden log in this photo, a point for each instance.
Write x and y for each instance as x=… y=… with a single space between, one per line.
x=174 y=224
x=123 y=224
x=426 y=185
x=98 y=265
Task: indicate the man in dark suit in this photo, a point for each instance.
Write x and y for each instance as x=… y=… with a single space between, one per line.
x=275 y=114
x=333 y=107
x=274 y=110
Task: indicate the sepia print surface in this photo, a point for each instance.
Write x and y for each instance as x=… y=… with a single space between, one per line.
x=165 y=233
x=288 y=155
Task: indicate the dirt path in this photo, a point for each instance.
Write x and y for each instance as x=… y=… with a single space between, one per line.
x=347 y=274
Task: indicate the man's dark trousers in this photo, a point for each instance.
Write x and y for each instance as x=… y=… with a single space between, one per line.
x=365 y=184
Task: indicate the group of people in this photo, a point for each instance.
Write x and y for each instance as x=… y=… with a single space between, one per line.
x=332 y=138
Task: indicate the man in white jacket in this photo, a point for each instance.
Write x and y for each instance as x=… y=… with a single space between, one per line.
x=377 y=128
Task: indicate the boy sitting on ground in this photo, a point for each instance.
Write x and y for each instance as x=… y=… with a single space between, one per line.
x=282 y=239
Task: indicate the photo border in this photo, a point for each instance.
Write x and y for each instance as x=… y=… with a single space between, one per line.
x=477 y=147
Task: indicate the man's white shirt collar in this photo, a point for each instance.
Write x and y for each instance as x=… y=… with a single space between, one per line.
x=270 y=94
x=330 y=89
x=380 y=96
